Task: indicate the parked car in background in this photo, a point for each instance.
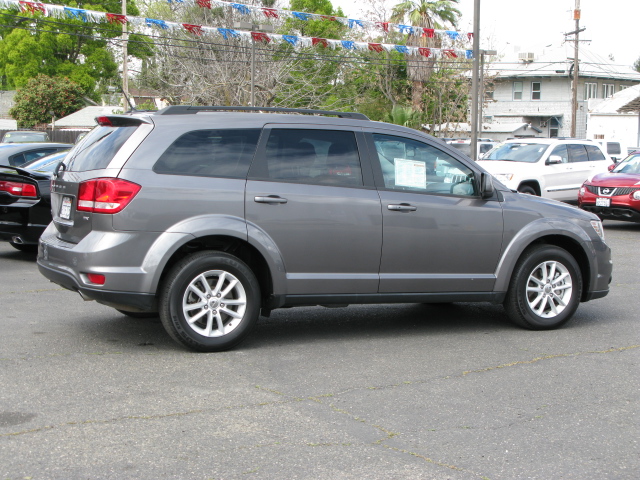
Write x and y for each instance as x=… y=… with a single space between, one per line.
x=25 y=201
x=18 y=154
x=25 y=136
x=615 y=149
x=547 y=167
x=209 y=218
x=614 y=195
x=465 y=146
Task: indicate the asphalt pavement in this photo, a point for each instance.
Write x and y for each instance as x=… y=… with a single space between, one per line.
x=367 y=392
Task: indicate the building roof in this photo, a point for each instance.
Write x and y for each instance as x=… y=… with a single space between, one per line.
x=86 y=116
x=617 y=102
x=558 y=62
x=486 y=127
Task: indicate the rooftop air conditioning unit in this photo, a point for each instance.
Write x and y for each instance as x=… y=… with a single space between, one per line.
x=526 y=56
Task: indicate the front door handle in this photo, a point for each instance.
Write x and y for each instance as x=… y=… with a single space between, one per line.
x=272 y=199
x=403 y=207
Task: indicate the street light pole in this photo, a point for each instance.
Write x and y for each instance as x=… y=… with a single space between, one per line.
x=474 y=79
x=125 y=55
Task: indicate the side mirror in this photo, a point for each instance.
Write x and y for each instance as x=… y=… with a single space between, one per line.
x=554 y=160
x=611 y=167
x=486 y=185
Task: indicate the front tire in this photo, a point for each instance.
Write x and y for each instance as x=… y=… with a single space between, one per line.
x=545 y=288
x=210 y=301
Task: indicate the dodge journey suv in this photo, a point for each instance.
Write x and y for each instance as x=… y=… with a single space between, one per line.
x=211 y=216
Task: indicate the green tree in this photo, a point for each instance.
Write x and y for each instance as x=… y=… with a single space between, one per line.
x=636 y=65
x=35 y=44
x=427 y=14
x=43 y=96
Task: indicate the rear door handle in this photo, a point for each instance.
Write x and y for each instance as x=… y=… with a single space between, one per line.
x=272 y=199
x=403 y=207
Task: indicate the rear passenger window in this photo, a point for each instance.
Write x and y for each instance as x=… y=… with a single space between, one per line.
x=577 y=153
x=323 y=157
x=210 y=153
x=594 y=153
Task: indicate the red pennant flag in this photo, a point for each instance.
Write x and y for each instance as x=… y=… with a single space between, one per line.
x=428 y=32
x=195 y=29
x=260 y=37
x=425 y=52
x=331 y=18
x=204 y=3
x=32 y=7
x=115 y=18
x=319 y=41
x=375 y=47
x=384 y=26
x=450 y=53
x=470 y=35
x=270 y=12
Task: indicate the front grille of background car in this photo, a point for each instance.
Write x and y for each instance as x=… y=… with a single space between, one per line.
x=617 y=190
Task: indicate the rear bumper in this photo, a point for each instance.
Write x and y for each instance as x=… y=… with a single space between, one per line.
x=145 y=302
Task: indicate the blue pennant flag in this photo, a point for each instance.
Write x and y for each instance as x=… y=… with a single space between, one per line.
x=348 y=44
x=453 y=35
x=227 y=32
x=353 y=23
x=292 y=39
x=402 y=49
x=158 y=23
x=469 y=53
x=76 y=13
x=243 y=9
x=408 y=28
x=301 y=15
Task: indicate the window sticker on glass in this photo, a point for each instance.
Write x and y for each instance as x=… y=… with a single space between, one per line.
x=410 y=173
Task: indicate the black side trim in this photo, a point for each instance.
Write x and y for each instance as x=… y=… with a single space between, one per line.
x=278 y=301
x=142 y=302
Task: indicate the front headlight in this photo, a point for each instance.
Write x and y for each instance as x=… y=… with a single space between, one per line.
x=504 y=177
x=581 y=192
x=636 y=195
x=597 y=226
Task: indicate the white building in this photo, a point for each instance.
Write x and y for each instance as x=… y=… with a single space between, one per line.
x=535 y=89
x=612 y=119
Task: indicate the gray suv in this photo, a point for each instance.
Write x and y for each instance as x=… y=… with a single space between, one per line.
x=211 y=216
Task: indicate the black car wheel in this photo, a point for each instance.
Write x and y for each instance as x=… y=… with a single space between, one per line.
x=210 y=301
x=545 y=288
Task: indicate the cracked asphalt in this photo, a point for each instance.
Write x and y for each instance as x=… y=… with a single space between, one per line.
x=367 y=392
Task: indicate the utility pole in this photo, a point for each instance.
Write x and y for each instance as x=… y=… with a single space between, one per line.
x=574 y=86
x=125 y=55
x=474 y=79
x=254 y=28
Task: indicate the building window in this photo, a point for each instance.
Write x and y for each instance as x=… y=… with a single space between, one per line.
x=535 y=90
x=517 y=90
x=608 y=89
x=590 y=90
x=554 y=127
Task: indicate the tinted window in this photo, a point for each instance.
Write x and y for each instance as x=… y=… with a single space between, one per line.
x=409 y=165
x=577 y=153
x=562 y=152
x=96 y=150
x=613 y=148
x=594 y=153
x=22 y=158
x=210 y=153
x=325 y=157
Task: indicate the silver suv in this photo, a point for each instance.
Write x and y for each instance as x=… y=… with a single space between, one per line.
x=210 y=217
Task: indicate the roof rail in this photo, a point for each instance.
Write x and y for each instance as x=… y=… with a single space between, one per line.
x=188 y=109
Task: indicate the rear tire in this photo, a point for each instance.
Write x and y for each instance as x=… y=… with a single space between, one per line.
x=210 y=301
x=545 y=288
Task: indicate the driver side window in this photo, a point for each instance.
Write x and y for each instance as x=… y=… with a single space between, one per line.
x=409 y=165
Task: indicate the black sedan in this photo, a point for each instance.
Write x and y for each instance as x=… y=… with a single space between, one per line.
x=25 y=201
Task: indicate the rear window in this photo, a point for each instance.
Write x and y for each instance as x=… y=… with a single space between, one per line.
x=96 y=150
x=210 y=153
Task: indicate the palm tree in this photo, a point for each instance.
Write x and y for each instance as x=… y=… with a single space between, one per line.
x=427 y=14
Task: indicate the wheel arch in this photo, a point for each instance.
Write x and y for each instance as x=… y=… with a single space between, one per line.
x=533 y=184
x=570 y=238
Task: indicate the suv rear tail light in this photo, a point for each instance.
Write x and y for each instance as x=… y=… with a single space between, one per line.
x=106 y=195
x=19 y=189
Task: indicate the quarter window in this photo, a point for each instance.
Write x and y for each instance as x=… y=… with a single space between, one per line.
x=409 y=165
x=210 y=153
x=535 y=90
x=517 y=90
x=322 y=157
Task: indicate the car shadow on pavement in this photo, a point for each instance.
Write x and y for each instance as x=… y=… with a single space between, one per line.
x=11 y=254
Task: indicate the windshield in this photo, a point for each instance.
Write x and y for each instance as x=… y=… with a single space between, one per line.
x=45 y=164
x=517 y=152
x=631 y=164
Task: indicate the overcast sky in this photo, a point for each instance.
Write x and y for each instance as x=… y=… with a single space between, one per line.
x=611 y=25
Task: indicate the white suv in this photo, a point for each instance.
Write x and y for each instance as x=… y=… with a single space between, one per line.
x=548 y=167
